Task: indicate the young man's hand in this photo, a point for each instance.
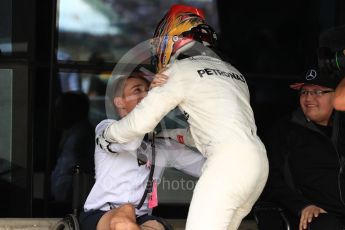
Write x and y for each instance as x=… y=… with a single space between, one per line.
x=158 y=80
x=308 y=214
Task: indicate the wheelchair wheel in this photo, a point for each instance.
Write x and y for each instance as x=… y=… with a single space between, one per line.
x=69 y=222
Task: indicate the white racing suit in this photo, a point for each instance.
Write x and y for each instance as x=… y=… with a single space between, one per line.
x=215 y=99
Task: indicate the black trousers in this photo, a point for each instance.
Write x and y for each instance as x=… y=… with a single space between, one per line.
x=327 y=221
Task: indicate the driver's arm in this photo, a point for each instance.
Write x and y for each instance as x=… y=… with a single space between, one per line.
x=148 y=113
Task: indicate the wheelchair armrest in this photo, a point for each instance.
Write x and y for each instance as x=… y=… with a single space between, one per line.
x=267 y=206
x=82 y=184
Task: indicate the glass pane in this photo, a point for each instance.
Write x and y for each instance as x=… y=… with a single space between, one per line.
x=5 y=124
x=93 y=85
x=5 y=26
x=14 y=136
x=110 y=28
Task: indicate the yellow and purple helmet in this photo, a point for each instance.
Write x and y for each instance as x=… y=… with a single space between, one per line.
x=179 y=27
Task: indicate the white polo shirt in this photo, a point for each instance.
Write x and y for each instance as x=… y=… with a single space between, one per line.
x=120 y=179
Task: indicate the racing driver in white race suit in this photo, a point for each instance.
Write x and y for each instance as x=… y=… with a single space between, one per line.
x=215 y=99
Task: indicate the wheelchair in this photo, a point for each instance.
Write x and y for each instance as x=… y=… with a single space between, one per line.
x=82 y=184
x=269 y=216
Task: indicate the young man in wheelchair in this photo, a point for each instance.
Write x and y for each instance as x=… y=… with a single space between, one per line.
x=125 y=190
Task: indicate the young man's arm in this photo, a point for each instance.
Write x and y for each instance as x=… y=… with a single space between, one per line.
x=278 y=187
x=339 y=100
